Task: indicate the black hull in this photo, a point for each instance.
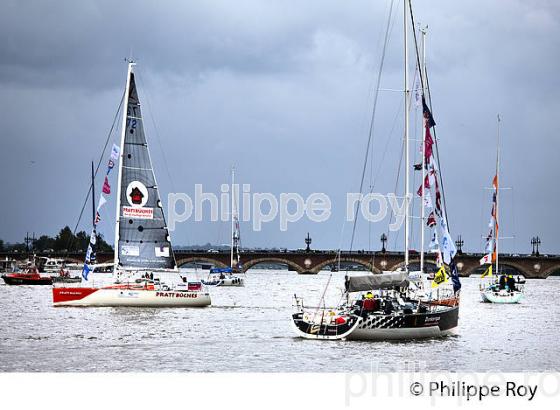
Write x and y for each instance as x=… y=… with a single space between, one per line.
x=408 y=326
x=324 y=331
x=379 y=326
x=23 y=281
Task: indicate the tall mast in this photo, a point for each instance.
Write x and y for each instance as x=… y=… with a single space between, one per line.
x=232 y=214
x=92 y=196
x=423 y=133
x=131 y=64
x=406 y=153
x=497 y=190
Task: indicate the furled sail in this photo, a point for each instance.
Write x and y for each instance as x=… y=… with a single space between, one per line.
x=143 y=237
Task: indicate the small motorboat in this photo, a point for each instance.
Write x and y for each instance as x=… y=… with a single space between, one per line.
x=223 y=277
x=28 y=276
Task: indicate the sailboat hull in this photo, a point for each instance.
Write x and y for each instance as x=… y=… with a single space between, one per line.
x=503 y=296
x=100 y=297
x=411 y=326
x=377 y=327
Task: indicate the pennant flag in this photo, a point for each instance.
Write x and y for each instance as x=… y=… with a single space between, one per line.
x=106 y=186
x=428 y=143
x=85 y=271
x=438 y=201
x=440 y=277
x=102 y=201
x=487 y=272
x=93 y=238
x=431 y=222
x=97 y=218
x=447 y=245
x=455 y=276
x=115 y=151
x=489 y=245
x=110 y=166
x=433 y=242
x=425 y=185
x=428 y=200
x=427 y=114
x=418 y=167
x=495 y=182
x=486 y=259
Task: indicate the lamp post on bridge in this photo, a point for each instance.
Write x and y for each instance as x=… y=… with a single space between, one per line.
x=459 y=243
x=383 y=241
x=535 y=241
x=308 y=242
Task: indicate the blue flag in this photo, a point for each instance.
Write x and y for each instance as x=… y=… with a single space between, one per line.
x=85 y=271
x=455 y=276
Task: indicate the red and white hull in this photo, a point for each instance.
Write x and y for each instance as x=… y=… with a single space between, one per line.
x=98 y=297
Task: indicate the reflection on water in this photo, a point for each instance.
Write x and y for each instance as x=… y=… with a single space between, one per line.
x=248 y=329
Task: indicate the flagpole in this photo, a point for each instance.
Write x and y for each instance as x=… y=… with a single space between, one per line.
x=406 y=139
x=119 y=187
x=232 y=222
x=423 y=133
x=93 y=210
x=496 y=224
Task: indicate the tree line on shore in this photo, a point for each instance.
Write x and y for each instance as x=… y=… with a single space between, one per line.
x=64 y=241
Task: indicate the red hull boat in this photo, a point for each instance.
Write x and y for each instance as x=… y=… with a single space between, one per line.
x=29 y=276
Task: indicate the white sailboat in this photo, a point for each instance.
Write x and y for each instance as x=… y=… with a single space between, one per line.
x=497 y=287
x=145 y=271
x=394 y=305
x=228 y=276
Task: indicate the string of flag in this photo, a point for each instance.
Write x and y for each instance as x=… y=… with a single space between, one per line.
x=441 y=242
x=492 y=236
x=106 y=190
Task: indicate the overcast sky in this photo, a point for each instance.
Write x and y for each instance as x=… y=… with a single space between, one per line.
x=283 y=90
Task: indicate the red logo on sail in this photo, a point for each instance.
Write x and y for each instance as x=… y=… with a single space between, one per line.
x=136 y=196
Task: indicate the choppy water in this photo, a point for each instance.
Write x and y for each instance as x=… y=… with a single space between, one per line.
x=248 y=329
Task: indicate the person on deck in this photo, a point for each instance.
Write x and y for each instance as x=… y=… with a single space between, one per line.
x=368 y=304
x=503 y=282
x=511 y=284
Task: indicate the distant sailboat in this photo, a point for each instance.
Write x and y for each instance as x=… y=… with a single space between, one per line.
x=501 y=288
x=145 y=270
x=226 y=276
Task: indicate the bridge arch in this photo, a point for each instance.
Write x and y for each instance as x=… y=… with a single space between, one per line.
x=252 y=262
x=552 y=271
x=193 y=259
x=427 y=262
x=512 y=265
x=368 y=265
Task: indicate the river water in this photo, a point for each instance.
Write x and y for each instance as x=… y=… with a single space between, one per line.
x=248 y=330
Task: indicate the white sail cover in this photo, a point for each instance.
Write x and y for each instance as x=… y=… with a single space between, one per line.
x=144 y=241
x=376 y=281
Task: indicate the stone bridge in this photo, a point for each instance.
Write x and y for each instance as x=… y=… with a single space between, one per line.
x=314 y=261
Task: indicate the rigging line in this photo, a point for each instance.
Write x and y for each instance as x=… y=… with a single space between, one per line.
x=372 y=122
x=396 y=186
x=70 y=242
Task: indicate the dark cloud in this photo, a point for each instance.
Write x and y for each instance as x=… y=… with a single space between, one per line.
x=283 y=90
